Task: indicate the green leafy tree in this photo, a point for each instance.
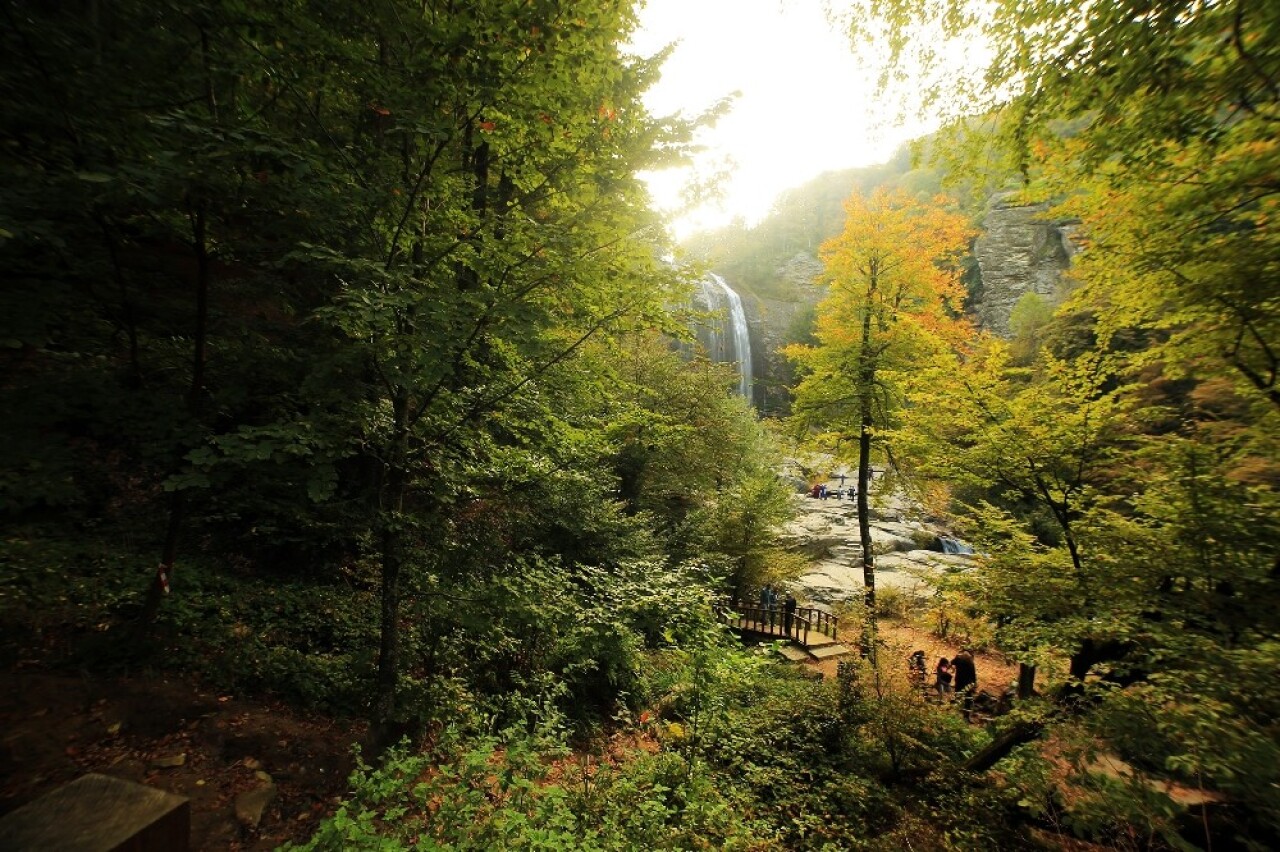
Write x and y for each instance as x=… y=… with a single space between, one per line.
x=1127 y=526
x=695 y=460
x=311 y=272
x=1155 y=123
x=894 y=293
x=1039 y=448
x=501 y=233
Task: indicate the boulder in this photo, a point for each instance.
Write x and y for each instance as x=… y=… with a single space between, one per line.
x=98 y=813
x=251 y=804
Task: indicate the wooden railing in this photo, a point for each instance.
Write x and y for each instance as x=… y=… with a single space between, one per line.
x=770 y=621
x=773 y=621
x=823 y=621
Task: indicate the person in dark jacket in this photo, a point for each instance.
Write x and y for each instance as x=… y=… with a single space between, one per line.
x=789 y=612
x=915 y=668
x=966 y=682
x=942 y=676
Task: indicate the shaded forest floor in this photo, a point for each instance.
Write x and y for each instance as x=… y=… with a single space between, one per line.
x=173 y=734
x=169 y=733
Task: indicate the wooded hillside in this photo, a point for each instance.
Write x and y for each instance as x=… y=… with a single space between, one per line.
x=342 y=391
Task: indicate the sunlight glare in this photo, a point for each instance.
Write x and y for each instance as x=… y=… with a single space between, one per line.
x=807 y=104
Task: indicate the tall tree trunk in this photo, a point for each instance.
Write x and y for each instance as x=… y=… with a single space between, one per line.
x=864 y=536
x=866 y=375
x=194 y=404
x=1026 y=680
x=128 y=316
x=384 y=731
x=385 y=728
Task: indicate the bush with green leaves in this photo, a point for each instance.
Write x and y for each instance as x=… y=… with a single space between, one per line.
x=521 y=790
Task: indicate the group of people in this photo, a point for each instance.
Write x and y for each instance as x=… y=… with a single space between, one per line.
x=958 y=675
x=769 y=603
x=822 y=492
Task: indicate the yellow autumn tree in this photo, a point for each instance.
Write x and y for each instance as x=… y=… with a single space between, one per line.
x=893 y=303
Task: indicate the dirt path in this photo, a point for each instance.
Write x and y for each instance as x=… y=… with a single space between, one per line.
x=995 y=673
x=171 y=734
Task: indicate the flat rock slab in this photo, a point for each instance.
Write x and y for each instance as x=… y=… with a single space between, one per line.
x=828 y=651
x=251 y=804
x=795 y=654
x=98 y=813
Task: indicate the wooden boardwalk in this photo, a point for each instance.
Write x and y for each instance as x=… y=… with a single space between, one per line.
x=812 y=629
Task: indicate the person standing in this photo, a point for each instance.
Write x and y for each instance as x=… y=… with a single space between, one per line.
x=915 y=669
x=788 y=613
x=966 y=680
x=942 y=676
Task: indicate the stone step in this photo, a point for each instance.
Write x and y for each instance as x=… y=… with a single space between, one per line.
x=795 y=653
x=826 y=652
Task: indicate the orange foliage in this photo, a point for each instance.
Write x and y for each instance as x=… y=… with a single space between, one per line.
x=899 y=257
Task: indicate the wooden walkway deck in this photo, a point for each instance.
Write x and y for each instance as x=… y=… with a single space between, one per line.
x=813 y=630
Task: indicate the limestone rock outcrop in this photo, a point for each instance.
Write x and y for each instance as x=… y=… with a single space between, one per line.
x=826 y=533
x=800 y=271
x=1019 y=252
x=772 y=322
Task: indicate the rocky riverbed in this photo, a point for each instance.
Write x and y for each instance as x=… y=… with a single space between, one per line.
x=903 y=537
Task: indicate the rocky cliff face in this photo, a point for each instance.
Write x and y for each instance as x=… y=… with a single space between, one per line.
x=771 y=321
x=1019 y=252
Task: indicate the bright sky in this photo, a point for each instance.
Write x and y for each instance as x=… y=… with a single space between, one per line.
x=807 y=104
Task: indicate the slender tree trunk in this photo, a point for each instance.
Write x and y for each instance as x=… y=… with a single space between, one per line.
x=1026 y=680
x=864 y=536
x=199 y=216
x=195 y=394
x=128 y=317
x=384 y=730
x=194 y=403
x=866 y=375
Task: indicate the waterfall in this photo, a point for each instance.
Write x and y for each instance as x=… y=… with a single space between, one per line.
x=725 y=335
x=741 y=339
x=950 y=545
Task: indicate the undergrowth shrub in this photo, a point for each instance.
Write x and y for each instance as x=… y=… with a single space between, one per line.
x=519 y=790
x=895 y=602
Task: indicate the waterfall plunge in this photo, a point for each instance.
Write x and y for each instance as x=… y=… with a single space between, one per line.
x=724 y=335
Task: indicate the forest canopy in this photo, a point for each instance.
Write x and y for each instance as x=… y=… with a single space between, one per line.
x=342 y=368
